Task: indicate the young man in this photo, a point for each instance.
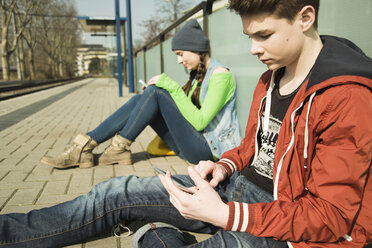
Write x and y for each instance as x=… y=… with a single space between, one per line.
x=308 y=140
x=304 y=163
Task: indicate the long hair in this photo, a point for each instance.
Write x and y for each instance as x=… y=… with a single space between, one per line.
x=199 y=75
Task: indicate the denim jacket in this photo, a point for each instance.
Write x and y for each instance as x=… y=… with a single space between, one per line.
x=222 y=133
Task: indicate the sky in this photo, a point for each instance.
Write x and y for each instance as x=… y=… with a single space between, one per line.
x=141 y=10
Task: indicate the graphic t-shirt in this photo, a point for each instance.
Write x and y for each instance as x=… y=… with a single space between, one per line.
x=261 y=170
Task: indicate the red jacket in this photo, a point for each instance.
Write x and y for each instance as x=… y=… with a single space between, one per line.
x=322 y=166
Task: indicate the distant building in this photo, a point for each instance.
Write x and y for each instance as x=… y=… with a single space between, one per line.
x=85 y=54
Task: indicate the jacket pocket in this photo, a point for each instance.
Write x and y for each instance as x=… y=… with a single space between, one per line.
x=227 y=138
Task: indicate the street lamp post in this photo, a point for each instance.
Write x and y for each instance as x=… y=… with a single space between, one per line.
x=118 y=48
x=130 y=45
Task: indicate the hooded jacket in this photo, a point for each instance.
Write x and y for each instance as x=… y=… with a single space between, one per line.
x=322 y=165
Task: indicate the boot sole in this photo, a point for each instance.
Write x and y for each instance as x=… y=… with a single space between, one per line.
x=121 y=162
x=81 y=165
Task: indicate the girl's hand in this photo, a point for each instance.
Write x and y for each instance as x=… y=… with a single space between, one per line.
x=153 y=80
x=204 y=205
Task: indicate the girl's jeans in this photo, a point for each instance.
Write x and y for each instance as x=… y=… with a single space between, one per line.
x=126 y=199
x=155 y=107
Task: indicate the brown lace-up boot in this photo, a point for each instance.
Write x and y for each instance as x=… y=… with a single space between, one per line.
x=79 y=154
x=117 y=153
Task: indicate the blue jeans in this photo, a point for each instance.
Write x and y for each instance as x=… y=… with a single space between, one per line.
x=155 y=107
x=125 y=199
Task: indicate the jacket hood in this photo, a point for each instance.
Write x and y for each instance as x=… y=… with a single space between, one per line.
x=340 y=57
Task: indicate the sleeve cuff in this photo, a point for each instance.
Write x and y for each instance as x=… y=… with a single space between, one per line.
x=238 y=217
x=228 y=165
x=167 y=83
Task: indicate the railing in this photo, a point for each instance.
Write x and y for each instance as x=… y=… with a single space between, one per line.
x=205 y=6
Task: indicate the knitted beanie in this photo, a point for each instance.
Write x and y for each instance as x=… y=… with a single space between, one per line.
x=191 y=38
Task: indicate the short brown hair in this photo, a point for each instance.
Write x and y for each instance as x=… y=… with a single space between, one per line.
x=281 y=8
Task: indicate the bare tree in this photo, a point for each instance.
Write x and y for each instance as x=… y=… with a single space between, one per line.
x=66 y=55
x=153 y=27
x=29 y=36
x=20 y=14
x=44 y=32
x=6 y=17
x=58 y=37
x=172 y=9
x=8 y=42
x=168 y=11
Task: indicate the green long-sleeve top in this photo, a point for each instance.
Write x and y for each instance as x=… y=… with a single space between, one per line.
x=220 y=89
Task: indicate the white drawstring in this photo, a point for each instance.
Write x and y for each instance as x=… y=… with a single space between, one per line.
x=257 y=130
x=348 y=237
x=268 y=105
x=280 y=164
x=306 y=136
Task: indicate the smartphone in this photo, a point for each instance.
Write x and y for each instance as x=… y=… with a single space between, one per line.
x=142 y=82
x=175 y=181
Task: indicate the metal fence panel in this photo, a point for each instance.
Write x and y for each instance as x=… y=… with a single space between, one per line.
x=153 y=62
x=139 y=71
x=171 y=68
x=231 y=47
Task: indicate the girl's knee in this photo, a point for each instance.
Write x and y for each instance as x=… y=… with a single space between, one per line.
x=150 y=88
x=153 y=89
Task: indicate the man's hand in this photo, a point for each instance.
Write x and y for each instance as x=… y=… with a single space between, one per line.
x=204 y=205
x=216 y=172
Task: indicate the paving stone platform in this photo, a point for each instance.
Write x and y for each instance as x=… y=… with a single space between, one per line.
x=46 y=122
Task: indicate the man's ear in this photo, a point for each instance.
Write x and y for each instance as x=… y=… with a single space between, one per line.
x=307 y=17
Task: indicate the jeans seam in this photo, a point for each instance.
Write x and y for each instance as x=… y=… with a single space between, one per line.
x=137 y=116
x=162 y=242
x=80 y=226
